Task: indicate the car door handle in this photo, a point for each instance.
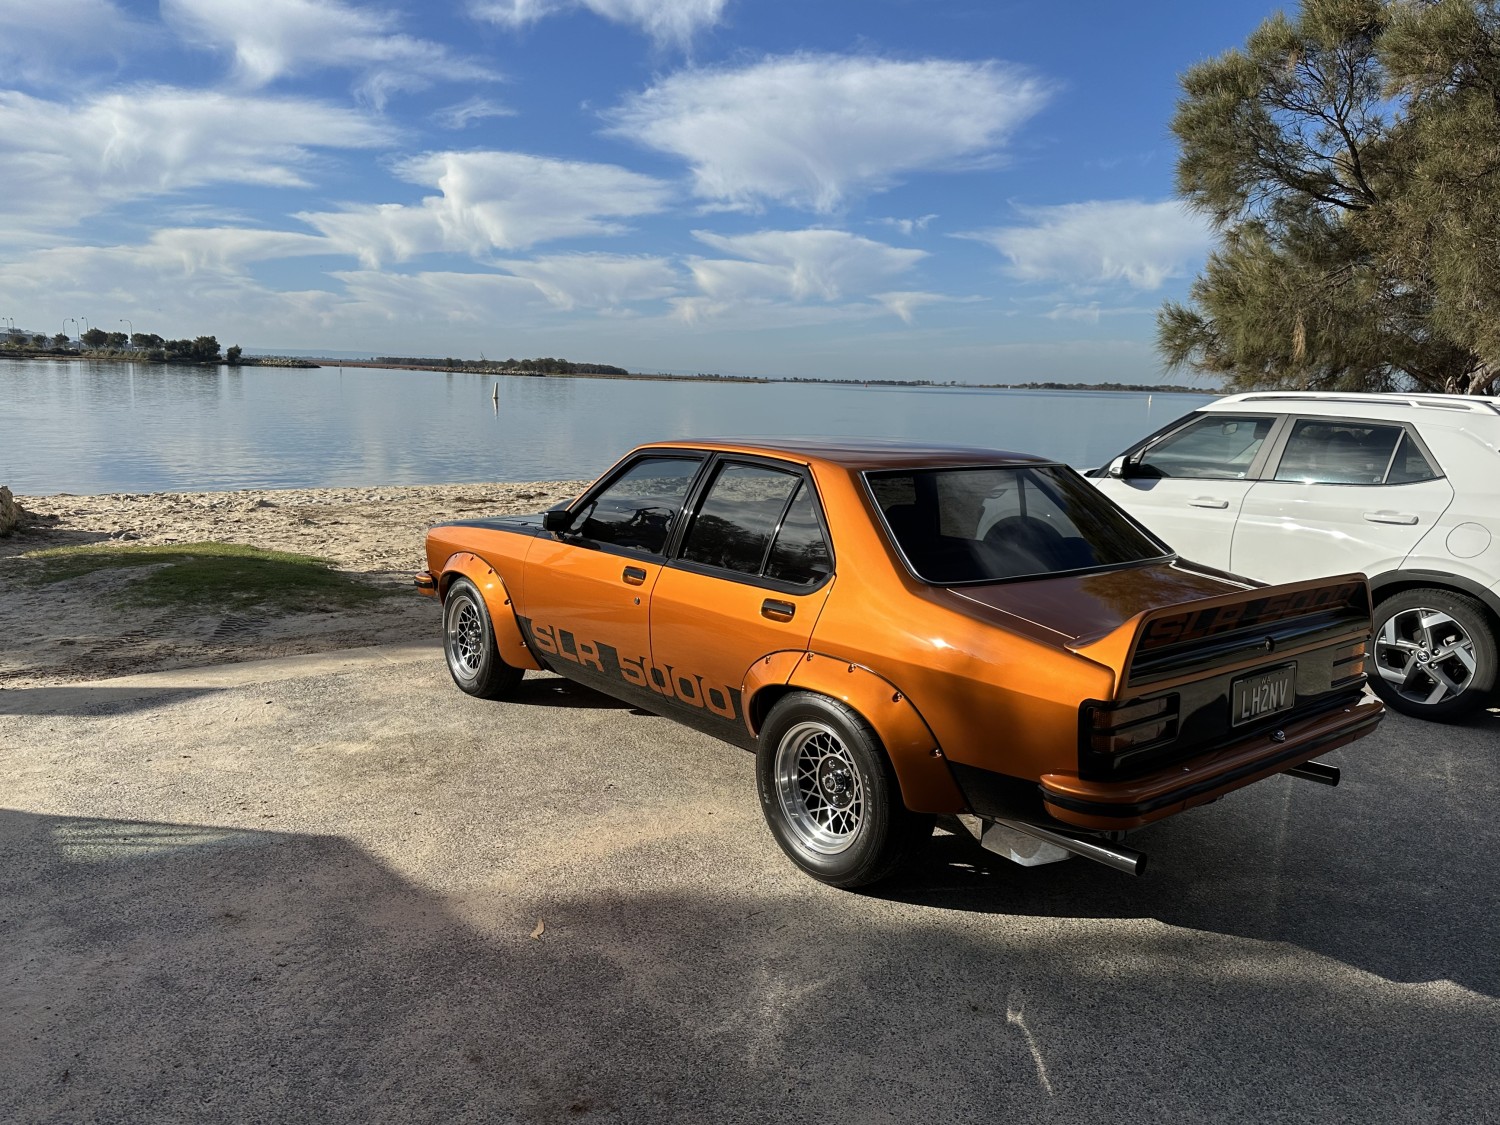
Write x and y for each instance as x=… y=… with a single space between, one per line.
x=777 y=610
x=1208 y=502
x=634 y=575
x=1391 y=517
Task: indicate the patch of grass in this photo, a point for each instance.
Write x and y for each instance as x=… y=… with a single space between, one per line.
x=209 y=574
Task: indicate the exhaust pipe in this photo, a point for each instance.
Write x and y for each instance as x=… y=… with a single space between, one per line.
x=1037 y=845
x=1315 y=771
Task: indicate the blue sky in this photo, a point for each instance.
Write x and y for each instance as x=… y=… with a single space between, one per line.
x=943 y=189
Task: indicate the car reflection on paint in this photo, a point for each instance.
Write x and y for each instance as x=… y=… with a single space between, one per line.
x=900 y=632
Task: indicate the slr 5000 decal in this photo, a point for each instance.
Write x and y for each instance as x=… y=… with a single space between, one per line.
x=673 y=683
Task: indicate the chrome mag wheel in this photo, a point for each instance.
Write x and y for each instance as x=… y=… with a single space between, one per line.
x=818 y=788
x=1425 y=656
x=465 y=636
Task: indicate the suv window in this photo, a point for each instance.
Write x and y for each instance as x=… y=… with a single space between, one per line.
x=1216 y=446
x=1327 y=451
x=636 y=509
x=990 y=524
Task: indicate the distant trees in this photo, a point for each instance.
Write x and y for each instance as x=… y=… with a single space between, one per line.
x=1350 y=161
x=545 y=366
x=136 y=346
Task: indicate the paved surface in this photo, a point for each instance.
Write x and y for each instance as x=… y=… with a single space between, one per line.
x=336 y=889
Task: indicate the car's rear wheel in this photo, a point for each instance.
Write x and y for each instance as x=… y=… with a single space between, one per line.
x=1434 y=654
x=830 y=796
x=469 y=645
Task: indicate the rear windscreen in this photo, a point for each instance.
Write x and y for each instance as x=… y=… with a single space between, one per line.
x=991 y=524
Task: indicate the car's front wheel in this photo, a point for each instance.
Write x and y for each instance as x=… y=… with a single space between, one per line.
x=830 y=796
x=1434 y=654
x=469 y=645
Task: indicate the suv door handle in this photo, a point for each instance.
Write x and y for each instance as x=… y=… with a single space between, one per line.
x=777 y=610
x=1208 y=502
x=635 y=575
x=1391 y=517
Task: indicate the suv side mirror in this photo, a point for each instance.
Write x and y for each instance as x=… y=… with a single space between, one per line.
x=1116 y=468
x=559 y=520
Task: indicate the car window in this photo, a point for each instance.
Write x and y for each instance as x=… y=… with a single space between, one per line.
x=800 y=554
x=1216 y=446
x=1328 y=451
x=738 y=516
x=992 y=524
x=637 y=508
x=1410 y=464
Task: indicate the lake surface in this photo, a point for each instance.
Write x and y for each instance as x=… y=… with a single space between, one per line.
x=90 y=427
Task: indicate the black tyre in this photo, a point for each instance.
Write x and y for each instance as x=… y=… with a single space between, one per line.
x=830 y=795
x=469 y=645
x=1434 y=654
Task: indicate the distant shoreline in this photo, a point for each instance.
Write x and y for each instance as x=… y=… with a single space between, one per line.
x=308 y=363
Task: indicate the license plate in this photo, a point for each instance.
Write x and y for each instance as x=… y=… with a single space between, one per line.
x=1264 y=693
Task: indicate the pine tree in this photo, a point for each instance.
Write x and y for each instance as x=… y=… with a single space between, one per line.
x=1350 y=162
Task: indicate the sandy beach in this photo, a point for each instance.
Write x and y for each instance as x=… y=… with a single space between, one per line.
x=76 y=629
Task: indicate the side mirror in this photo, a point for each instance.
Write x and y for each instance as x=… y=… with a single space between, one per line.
x=1116 y=468
x=559 y=520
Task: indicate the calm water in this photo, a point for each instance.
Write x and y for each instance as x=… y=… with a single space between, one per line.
x=88 y=428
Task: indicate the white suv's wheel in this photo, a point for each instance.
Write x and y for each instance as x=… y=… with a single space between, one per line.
x=1434 y=654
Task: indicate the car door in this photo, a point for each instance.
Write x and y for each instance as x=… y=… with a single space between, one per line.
x=750 y=578
x=1341 y=495
x=1187 y=485
x=586 y=593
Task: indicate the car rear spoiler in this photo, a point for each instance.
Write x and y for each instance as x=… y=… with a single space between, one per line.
x=1231 y=628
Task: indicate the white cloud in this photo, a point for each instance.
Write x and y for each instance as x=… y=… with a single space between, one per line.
x=666 y=21
x=599 y=281
x=1103 y=241
x=65 y=162
x=813 y=130
x=43 y=41
x=904 y=303
x=465 y=113
x=797 y=265
x=492 y=201
x=272 y=38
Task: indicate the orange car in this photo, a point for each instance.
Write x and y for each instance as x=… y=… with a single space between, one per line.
x=901 y=631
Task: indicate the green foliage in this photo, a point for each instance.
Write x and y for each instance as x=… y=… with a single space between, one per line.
x=94 y=338
x=232 y=356
x=1348 y=159
x=207 y=575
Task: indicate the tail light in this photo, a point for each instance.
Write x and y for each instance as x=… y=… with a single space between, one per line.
x=1115 y=733
x=1349 y=663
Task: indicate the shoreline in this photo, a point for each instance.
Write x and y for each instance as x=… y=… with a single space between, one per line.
x=75 y=630
x=300 y=363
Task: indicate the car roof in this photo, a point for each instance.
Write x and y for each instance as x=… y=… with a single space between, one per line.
x=1348 y=403
x=861 y=454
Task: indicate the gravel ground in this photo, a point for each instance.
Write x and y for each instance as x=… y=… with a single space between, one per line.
x=335 y=889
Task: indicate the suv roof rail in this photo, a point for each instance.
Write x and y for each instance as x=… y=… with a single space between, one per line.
x=1471 y=403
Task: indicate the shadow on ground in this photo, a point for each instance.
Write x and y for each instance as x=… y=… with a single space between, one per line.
x=167 y=972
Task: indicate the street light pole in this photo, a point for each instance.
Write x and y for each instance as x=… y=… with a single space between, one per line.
x=65 y=320
x=125 y=320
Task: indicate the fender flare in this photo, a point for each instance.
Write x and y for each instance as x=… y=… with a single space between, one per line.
x=491 y=586
x=927 y=785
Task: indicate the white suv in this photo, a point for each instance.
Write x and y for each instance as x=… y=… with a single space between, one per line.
x=1280 y=486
